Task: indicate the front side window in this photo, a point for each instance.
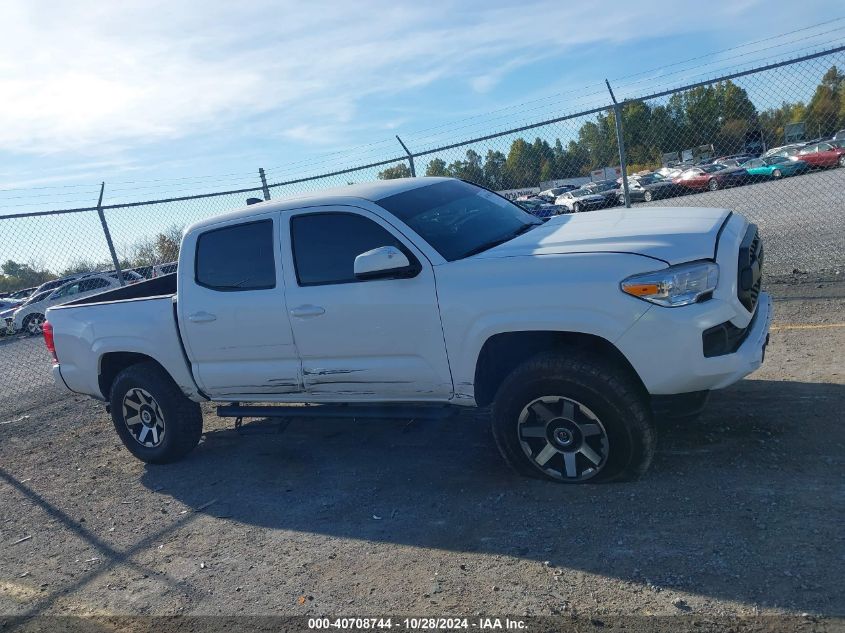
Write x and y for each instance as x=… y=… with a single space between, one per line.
x=237 y=257
x=325 y=245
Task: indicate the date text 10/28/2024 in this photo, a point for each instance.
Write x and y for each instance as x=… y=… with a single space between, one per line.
x=422 y=624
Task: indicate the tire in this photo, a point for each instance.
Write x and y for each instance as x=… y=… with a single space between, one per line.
x=33 y=323
x=573 y=396
x=842 y=161
x=712 y=184
x=777 y=173
x=172 y=424
x=648 y=197
x=576 y=208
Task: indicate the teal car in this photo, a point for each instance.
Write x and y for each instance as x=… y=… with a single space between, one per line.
x=774 y=167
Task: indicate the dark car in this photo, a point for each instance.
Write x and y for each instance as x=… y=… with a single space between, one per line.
x=607 y=188
x=649 y=187
x=540 y=208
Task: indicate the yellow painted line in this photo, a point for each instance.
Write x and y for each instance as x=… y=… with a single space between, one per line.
x=805 y=326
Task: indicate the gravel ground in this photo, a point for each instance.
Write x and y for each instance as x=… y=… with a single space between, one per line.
x=741 y=513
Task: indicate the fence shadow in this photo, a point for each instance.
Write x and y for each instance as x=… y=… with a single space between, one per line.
x=736 y=506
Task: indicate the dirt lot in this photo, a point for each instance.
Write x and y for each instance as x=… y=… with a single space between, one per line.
x=741 y=514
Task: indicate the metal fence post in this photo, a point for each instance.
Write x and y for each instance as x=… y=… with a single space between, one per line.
x=410 y=157
x=264 y=186
x=108 y=235
x=617 y=112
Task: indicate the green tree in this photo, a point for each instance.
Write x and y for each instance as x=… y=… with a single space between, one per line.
x=15 y=276
x=436 y=167
x=494 y=170
x=825 y=107
x=520 y=170
x=399 y=170
x=167 y=244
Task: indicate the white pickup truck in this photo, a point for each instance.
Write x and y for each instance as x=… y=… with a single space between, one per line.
x=416 y=296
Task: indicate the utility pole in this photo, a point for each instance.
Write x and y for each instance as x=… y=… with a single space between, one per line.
x=620 y=141
x=410 y=157
x=102 y=215
x=264 y=186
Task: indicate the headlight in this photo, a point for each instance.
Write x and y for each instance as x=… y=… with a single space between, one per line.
x=674 y=286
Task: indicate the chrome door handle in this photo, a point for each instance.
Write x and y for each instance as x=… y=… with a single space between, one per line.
x=201 y=317
x=307 y=311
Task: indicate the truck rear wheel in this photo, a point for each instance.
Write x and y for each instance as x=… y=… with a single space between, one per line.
x=573 y=418
x=155 y=420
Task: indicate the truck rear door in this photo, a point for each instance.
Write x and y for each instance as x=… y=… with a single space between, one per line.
x=232 y=313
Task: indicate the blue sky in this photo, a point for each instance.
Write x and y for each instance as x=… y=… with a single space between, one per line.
x=164 y=98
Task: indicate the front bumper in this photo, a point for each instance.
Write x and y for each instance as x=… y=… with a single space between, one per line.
x=665 y=347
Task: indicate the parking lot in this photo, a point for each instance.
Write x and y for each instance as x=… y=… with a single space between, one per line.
x=741 y=513
x=800 y=218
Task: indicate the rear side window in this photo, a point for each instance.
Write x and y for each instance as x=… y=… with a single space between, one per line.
x=325 y=246
x=238 y=257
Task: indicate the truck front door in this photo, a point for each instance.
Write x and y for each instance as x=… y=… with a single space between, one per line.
x=361 y=339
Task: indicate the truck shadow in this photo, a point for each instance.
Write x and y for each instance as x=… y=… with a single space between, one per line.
x=738 y=505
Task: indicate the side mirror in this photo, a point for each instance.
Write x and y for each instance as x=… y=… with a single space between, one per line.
x=383 y=262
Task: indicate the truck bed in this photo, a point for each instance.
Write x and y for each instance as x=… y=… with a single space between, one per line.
x=139 y=320
x=164 y=286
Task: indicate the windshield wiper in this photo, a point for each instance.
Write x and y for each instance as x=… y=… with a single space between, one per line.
x=492 y=243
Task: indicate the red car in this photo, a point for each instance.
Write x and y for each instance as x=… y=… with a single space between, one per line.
x=824 y=154
x=711 y=177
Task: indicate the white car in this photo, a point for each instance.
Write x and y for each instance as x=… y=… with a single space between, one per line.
x=581 y=200
x=29 y=317
x=787 y=151
x=165 y=269
x=7 y=309
x=420 y=297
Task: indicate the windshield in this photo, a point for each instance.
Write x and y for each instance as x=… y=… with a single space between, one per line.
x=459 y=219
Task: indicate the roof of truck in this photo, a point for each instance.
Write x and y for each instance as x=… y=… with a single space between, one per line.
x=372 y=191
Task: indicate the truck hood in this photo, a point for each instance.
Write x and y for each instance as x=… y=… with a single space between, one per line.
x=672 y=234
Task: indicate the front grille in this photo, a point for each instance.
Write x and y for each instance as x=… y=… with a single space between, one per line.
x=750 y=269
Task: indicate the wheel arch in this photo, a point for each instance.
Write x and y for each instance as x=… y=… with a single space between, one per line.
x=112 y=363
x=503 y=352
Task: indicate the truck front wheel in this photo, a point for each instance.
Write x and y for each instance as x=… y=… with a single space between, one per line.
x=572 y=418
x=155 y=420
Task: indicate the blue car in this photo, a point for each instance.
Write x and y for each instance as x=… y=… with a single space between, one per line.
x=774 y=167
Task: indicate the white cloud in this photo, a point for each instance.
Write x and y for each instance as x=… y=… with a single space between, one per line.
x=97 y=77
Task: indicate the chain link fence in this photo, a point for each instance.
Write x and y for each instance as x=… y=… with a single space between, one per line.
x=767 y=142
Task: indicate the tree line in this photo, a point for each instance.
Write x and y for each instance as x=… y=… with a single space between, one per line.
x=163 y=247
x=721 y=114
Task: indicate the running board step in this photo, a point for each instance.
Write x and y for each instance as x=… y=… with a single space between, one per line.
x=382 y=412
